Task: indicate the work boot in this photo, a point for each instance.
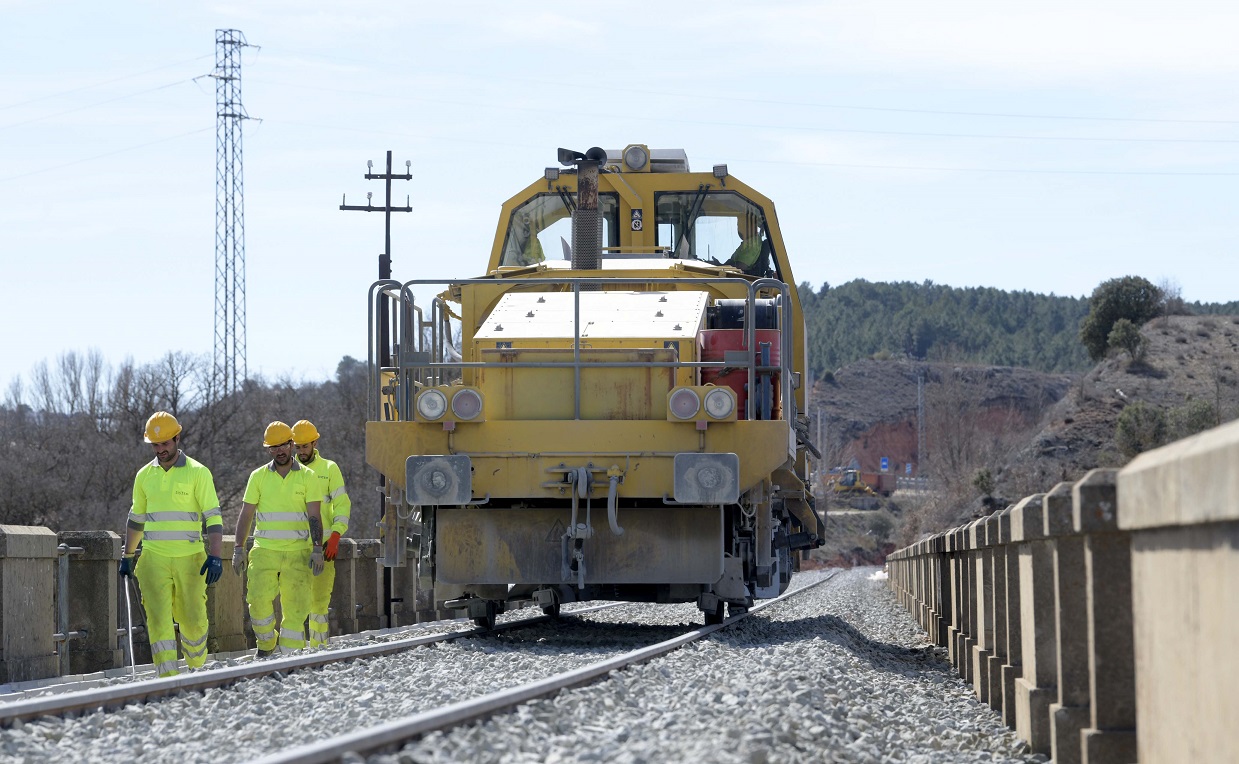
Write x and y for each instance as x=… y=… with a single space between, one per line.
x=266 y=653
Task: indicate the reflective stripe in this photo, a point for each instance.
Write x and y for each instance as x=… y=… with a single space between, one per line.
x=195 y=653
x=316 y=618
x=193 y=642
x=136 y=518
x=169 y=516
x=173 y=535
x=280 y=517
x=215 y=512
x=168 y=668
x=263 y=636
x=163 y=646
x=295 y=634
x=268 y=534
x=263 y=621
x=338 y=492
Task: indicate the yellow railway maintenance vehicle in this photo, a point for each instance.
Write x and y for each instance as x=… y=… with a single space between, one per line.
x=610 y=412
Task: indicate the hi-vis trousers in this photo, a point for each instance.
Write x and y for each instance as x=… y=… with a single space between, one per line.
x=173 y=589
x=286 y=573
x=320 y=600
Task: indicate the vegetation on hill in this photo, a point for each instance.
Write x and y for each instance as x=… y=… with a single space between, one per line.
x=979 y=325
x=930 y=321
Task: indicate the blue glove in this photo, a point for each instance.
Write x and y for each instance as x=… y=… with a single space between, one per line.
x=213 y=568
x=126 y=566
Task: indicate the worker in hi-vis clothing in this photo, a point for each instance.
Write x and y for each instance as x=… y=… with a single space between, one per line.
x=283 y=497
x=173 y=497
x=335 y=513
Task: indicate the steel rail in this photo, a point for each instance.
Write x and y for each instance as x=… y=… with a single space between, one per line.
x=397 y=732
x=116 y=696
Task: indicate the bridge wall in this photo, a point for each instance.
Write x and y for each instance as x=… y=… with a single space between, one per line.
x=30 y=560
x=1100 y=618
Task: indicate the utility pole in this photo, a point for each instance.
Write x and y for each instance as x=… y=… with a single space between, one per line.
x=384 y=259
x=385 y=354
x=229 y=369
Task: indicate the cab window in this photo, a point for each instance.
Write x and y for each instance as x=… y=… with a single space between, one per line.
x=536 y=228
x=719 y=227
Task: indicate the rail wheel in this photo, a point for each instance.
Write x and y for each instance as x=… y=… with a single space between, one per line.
x=716 y=616
x=551 y=610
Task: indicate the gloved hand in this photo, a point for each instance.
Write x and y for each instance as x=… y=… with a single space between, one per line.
x=126 y=566
x=238 y=559
x=332 y=546
x=316 y=560
x=212 y=569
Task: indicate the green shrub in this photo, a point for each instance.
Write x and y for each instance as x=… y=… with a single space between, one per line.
x=1140 y=427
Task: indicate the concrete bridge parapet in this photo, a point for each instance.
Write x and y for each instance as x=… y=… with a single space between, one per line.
x=1100 y=616
x=27 y=605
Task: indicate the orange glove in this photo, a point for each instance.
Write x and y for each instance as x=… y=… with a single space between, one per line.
x=332 y=545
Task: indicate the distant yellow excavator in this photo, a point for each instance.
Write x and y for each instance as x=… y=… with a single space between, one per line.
x=849 y=481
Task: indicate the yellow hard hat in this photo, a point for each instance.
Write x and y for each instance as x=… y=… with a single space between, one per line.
x=304 y=432
x=160 y=427
x=277 y=434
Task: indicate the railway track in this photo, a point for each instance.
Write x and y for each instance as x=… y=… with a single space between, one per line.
x=67 y=702
x=392 y=735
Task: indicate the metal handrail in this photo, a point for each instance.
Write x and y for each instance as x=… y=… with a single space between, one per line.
x=63 y=637
x=410 y=367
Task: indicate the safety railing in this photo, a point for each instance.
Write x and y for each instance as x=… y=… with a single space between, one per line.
x=63 y=636
x=419 y=349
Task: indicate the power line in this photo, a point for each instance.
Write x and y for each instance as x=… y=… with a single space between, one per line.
x=804 y=128
x=813 y=104
x=93 y=105
x=101 y=84
x=101 y=156
x=1057 y=171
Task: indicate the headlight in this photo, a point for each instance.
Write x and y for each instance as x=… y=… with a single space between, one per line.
x=431 y=404
x=635 y=158
x=719 y=403
x=684 y=403
x=466 y=404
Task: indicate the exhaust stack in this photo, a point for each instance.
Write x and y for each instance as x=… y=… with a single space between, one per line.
x=586 y=218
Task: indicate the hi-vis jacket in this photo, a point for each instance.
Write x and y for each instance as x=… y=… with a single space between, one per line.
x=336 y=508
x=171 y=506
x=281 y=522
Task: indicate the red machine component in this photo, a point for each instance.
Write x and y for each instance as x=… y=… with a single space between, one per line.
x=716 y=342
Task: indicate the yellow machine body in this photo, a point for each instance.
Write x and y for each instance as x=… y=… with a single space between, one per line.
x=611 y=410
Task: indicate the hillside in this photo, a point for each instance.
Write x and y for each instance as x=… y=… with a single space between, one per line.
x=1028 y=429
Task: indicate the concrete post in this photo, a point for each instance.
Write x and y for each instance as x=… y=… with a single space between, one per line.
x=227 y=614
x=955 y=597
x=972 y=584
x=1111 y=735
x=1036 y=685
x=998 y=606
x=93 y=587
x=1181 y=504
x=1010 y=671
x=343 y=616
x=369 y=586
x=1071 y=713
x=983 y=643
x=27 y=612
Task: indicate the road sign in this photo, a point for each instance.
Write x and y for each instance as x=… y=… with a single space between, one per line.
x=886 y=464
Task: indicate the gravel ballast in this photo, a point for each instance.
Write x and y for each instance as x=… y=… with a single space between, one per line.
x=838 y=674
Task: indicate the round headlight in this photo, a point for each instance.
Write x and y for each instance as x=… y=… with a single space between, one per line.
x=685 y=403
x=431 y=404
x=719 y=403
x=466 y=404
x=635 y=158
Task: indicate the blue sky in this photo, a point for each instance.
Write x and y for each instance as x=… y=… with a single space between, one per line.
x=1043 y=147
